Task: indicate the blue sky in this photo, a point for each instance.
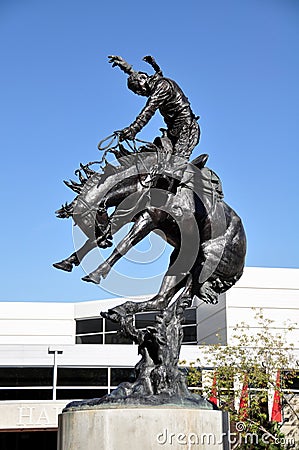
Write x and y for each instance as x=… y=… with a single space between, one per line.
x=238 y=63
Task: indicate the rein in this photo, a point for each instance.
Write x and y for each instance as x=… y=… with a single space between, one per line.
x=113 y=145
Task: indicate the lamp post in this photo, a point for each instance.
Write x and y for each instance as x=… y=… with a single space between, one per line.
x=54 y=351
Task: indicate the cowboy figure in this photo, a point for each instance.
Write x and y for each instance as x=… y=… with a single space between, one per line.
x=166 y=96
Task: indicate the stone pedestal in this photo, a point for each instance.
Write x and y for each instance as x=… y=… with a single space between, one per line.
x=151 y=428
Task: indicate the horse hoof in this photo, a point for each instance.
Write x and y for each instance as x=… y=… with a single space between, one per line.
x=91 y=279
x=64 y=265
x=104 y=244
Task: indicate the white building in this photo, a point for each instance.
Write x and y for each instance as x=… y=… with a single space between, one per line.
x=52 y=353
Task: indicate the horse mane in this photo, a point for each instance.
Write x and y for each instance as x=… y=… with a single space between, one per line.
x=88 y=178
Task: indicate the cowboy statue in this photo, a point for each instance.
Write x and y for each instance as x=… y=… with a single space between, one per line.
x=166 y=96
x=154 y=188
x=176 y=144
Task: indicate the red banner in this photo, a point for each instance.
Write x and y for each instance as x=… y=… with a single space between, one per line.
x=276 y=415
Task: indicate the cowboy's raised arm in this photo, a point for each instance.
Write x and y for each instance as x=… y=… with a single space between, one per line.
x=121 y=63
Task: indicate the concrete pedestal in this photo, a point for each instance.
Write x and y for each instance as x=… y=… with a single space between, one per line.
x=168 y=428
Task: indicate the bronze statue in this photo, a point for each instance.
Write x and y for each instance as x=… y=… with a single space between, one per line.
x=166 y=96
x=155 y=187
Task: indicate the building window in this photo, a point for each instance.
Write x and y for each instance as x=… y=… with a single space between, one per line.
x=190 y=336
x=89 y=331
x=26 y=376
x=83 y=376
x=80 y=394
x=111 y=326
x=26 y=394
x=45 y=440
x=85 y=326
x=103 y=331
x=72 y=383
x=90 y=339
x=99 y=331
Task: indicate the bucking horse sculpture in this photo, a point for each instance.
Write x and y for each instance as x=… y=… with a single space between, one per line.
x=207 y=235
x=154 y=187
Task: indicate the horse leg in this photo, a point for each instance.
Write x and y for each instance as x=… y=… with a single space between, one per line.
x=171 y=284
x=141 y=228
x=176 y=277
x=75 y=258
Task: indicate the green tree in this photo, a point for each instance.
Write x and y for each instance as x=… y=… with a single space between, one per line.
x=253 y=361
